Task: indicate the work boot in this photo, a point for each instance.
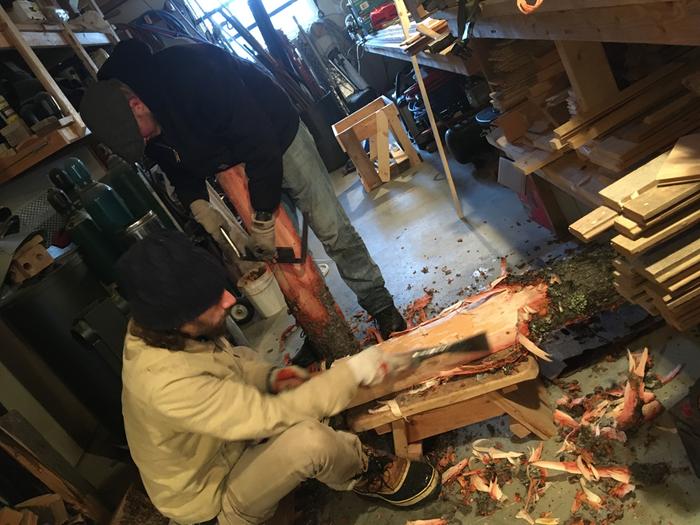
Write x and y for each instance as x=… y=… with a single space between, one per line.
x=396 y=480
x=389 y=320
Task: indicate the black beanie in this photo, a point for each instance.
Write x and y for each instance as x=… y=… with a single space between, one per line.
x=169 y=281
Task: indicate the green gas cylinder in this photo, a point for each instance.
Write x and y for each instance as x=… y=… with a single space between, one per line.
x=103 y=204
x=135 y=192
x=96 y=249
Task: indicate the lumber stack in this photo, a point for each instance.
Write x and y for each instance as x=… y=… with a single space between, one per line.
x=655 y=214
x=519 y=71
x=642 y=120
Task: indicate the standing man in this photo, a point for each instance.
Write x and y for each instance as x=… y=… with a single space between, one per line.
x=198 y=109
x=216 y=436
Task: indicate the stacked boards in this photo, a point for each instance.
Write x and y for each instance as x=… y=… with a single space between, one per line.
x=637 y=122
x=655 y=214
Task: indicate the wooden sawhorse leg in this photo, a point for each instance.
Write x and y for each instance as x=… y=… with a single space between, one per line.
x=528 y=408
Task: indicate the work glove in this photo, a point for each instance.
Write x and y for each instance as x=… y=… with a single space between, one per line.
x=372 y=365
x=281 y=379
x=262 y=239
x=209 y=218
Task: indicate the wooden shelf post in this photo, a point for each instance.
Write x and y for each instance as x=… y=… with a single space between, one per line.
x=14 y=36
x=589 y=72
x=403 y=17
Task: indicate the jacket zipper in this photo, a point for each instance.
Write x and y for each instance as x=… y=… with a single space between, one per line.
x=172 y=150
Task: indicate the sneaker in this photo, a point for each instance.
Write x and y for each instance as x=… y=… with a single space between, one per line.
x=398 y=481
x=389 y=320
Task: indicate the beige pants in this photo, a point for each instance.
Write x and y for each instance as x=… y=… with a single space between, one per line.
x=266 y=473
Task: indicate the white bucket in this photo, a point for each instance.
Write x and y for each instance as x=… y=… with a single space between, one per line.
x=263 y=291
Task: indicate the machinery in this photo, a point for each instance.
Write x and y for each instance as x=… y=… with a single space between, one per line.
x=454 y=99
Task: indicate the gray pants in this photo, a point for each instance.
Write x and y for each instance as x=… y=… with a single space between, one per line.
x=307 y=183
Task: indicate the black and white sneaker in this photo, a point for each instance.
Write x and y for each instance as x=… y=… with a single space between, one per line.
x=398 y=481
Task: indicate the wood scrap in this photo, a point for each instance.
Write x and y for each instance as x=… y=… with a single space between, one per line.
x=683 y=163
x=657 y=200
x=593 y=224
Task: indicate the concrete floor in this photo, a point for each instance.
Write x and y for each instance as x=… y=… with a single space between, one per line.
x=410 y=224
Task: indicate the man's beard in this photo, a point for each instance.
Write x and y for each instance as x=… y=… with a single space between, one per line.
x=213 y=331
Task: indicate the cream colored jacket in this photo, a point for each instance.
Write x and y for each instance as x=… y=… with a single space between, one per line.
x=190 y=414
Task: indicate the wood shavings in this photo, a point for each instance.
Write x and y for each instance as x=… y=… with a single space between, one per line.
x=523 y=515
x=592 y=498
x=495 y=491
x=427 y=385
x=533 y=348
x=547 y=521
x=451 y=473
x=479 y=483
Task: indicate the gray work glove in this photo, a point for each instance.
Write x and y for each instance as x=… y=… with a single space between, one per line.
x=210 y=219
x=262 y=239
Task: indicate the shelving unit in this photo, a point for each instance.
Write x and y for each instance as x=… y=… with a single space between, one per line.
x=387 y=42
x=25 y=38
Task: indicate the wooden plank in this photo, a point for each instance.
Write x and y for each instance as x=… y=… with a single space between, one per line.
x=14 y=37
x=365 y=169
x=577 y=178
x=492 y=8
x=527 y=405
x=671 y=256
x=656 y=235
x=683 y=163
x=80 y=51
x=397 y=129
x=382 y=138
x=655 y=201
x=450 y=393
x=646 y=24
x=21 y=442
x=670 y=109
x=624 y=96
x=434 y=422
x=632 y=184
x=403 y=17
x=353 y=119
x=536 y=159
x=651 y=97
x=12 y=166
x=48 y=39
x=633 y=230
x=399 y=433
x=415 y=451
x=593 y=224
x=589 y=73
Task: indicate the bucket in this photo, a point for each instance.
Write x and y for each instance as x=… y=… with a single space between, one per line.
x=260 y=287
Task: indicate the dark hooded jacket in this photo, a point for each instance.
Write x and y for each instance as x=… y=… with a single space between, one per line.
x=215 y=110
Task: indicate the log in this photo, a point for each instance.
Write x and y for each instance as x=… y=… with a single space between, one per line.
x=497 y=313
x=307 y=295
